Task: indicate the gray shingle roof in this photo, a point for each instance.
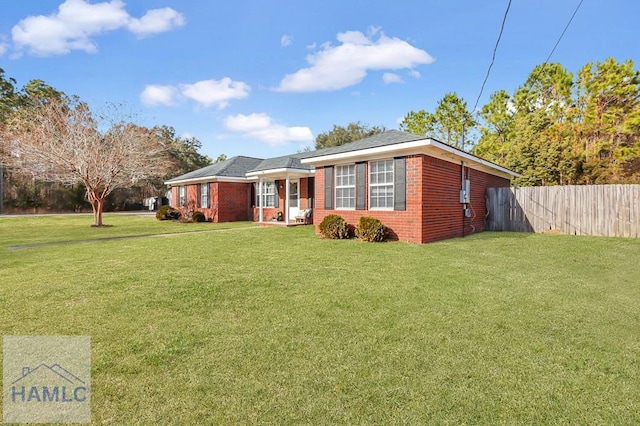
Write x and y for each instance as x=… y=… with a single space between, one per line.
x=284 y=162
x=233 y=167
x=389 y=137
x=239 y=166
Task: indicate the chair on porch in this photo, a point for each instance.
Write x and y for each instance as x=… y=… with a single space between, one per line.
x=304 y=216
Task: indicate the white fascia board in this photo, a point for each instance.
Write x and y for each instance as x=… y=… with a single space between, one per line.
x=422 y=146
x=472 y=158
x=280 y=172
x=396 y=149
x=206 y=179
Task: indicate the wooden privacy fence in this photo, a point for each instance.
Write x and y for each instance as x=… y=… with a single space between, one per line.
x=603 y=210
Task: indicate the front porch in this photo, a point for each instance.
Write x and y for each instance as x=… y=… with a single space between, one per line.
x=285 y=224
x=283 y=197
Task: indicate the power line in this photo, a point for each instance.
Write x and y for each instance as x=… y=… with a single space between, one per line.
x=534 y=78
x=493 y=58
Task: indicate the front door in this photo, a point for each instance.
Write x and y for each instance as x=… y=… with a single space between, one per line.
x=294 y=200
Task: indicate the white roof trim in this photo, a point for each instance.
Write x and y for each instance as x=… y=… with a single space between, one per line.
x=422 y=146
x=281 y=171
x=207 y=179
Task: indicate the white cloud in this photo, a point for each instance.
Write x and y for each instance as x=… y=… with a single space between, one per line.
x=158 y=95
x=389 y=77
x=337 y=67
x=206 y=93
x=414 y=73
x=312 y=46
x=262 y=127
x=76 y=22
x=286 y=40
x=215 y=92
x=156 y=21
x=3 y=47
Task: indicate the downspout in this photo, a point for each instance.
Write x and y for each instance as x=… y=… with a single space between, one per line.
x=286 y=200
x=260 y=200
x=1 y=188
x=461 y=193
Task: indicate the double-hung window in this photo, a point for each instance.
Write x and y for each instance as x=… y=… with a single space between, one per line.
x=183 y=196
x=345 y=187
x=269 y=191
x=204 y=195
x=381 y=184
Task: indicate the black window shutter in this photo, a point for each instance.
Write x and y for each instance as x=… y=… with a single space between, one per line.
x=277 y=197
x=252 y=195
x=199 y=195
x=328 y=188
x=360 y=187
x=399 y=184
x=310 y=192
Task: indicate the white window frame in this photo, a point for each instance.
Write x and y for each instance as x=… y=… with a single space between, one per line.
x=204 y=195
x=378 y=180
x=269 y=192
x=341 y=186
x=182 y=195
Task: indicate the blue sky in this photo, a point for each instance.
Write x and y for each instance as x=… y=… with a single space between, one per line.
x=263 y=78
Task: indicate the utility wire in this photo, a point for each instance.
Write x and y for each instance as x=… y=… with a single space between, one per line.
x=546 y=61
x=493 y=58
x=563 y=31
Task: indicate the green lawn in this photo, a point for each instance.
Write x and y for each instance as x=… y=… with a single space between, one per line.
x=273 y=325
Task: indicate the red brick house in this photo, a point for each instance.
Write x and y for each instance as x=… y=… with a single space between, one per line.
x=246 y=188
x=421 y=189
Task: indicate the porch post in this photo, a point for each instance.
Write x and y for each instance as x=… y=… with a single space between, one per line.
x=286 y=200
x=260 y=200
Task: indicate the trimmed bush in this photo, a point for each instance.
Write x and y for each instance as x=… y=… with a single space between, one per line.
x=198 y=216
x=334 y=227
x=167 y=213
x=370 y=229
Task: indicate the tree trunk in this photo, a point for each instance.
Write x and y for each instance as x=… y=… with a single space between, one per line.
x=97 y=205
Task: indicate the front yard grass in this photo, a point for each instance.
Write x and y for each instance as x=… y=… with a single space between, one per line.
x=273 y=325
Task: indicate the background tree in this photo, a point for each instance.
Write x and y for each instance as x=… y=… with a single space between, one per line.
x=341 y=135
x=8 y=102
x=446 y=124
x=560 y=129
x=496 y=136
x=609 y=103
x=8 y=96
x=64 y=142
x=221 y=157
x=184 y=151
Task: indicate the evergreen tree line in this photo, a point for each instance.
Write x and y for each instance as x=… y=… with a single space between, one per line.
x=558 y=128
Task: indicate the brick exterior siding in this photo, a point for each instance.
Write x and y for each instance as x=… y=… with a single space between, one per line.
x=433 y=209
x=228 y=201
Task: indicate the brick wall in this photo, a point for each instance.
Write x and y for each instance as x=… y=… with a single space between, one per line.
x=234 y=201
x=228 y=201
x=403 y=225
x=434 y=211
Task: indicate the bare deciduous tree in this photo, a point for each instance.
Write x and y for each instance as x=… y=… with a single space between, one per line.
x=64 y=142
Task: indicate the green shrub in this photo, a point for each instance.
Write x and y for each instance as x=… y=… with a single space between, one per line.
x=167 y=213
x=198 y=216
x=370 y=229
x=334 y=227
